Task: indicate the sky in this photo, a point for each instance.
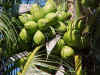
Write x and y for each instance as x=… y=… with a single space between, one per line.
x=40 y=2
x=32 y=1
x=25 y=1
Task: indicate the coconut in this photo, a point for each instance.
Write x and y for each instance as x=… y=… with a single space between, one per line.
x=50 y=6
x=51 y=17
x=61 y=27
x=36 y=12
x=24 y=35
x=59 y=46
x=25 y=18
x=31 y=27
x=67 y=52
x=39 y=38
x=42 y=24
x=72 y=38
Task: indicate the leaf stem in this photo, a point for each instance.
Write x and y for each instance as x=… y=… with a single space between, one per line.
x=30 y=59
x=78 y=64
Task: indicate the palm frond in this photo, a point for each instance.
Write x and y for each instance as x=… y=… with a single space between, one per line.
x=30 y=59
x=39 y=63
x=9 y=33
x=8 y=3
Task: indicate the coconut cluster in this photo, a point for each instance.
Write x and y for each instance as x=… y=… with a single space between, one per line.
x=43 y=23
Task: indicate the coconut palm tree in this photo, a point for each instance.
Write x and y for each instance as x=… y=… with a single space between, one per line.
x=10 y=26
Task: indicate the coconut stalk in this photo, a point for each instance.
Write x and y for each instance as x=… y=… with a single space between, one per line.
x=78 y=64
x=30 y=59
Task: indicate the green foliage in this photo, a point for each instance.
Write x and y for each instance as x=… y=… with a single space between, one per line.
x=6 y=3
x=7 y=29
x=38 y=61
x=43 y=24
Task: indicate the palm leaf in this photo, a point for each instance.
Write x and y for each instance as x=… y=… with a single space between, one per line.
x=30 y=59
x=9 y=33
x=39 y=63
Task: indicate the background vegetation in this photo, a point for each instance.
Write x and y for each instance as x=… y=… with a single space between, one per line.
x=27 y=56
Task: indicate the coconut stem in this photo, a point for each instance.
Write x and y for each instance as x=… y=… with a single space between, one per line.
x=78 y=64
x=30 y=59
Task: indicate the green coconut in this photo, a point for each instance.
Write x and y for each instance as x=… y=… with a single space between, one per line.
x=42 y=24
x=39 y=38
x=61 y=27
x=72 y=38
x=25 y=18
x=51 y=17
x=24 y=35
x=66 y=52
x=59 y=46
x=51 y=32
x=31 y=27
x=50 y=6
x=61 y=15
x=36 y=12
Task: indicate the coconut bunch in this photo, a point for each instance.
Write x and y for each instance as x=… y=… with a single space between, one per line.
x=42 y=24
